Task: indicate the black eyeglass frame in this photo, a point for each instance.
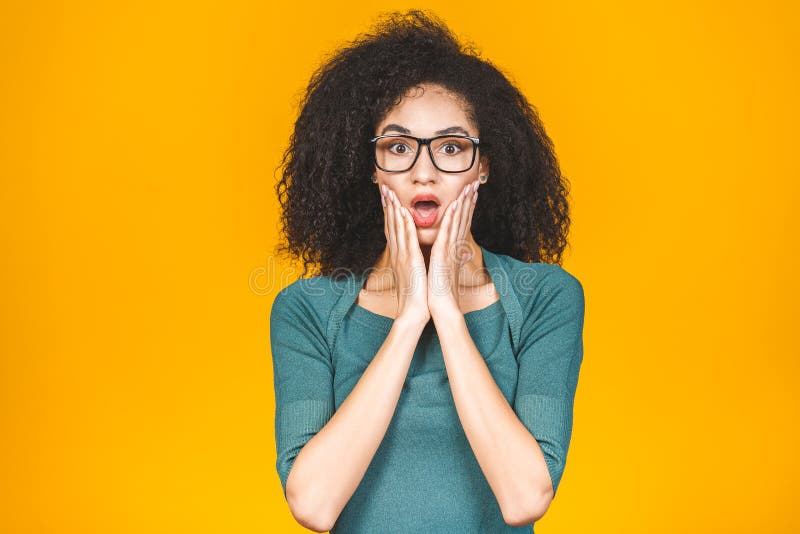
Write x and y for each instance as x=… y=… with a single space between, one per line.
x=425 y=141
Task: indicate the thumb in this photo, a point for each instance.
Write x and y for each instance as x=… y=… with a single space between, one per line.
x=439 y=248
x=412 y=242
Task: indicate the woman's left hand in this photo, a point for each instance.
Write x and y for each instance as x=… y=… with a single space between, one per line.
x=451 y=251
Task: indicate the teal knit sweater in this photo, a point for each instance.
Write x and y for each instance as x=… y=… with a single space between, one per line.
x=424 y=476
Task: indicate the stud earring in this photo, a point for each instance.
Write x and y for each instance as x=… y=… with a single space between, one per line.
x=374 y=179
x=483 y=179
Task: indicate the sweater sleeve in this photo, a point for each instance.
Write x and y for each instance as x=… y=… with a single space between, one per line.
x=549 y=358
x=303 y=375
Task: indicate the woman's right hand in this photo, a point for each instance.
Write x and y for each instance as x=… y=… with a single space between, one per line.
x=405 y=259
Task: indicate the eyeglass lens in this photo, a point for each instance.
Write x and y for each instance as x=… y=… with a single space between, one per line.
x=450 y=154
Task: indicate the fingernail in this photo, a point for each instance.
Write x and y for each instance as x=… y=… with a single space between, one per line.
x=475 y=186
x=475 y=198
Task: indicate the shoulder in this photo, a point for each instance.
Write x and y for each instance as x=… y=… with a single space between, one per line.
x=310 y=298
x=540 y=285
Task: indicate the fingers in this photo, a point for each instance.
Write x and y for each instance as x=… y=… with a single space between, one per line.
x=472 y=209
x=385 y=216
x=439 y=267
x=389 y=216
x=403 y=229
x=457 y=218
x=463 y=249
x=399 y=224
x=455 y=223
x=441 y=245
x=465 y=211
x=412 y=242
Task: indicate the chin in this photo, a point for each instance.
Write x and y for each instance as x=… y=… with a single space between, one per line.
x=427 y=235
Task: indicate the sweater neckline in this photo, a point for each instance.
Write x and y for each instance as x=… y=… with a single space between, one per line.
x=472 y=318
x=507 y=303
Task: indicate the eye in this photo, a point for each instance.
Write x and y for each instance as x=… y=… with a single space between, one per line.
x=451 y=149
x=399 y=148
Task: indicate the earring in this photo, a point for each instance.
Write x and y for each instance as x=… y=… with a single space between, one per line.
x=374 y=179
x=483 y=179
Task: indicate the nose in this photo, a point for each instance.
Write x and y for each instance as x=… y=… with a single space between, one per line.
x=424 y=170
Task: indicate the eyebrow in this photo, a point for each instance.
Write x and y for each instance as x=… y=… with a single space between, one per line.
x=406 y=131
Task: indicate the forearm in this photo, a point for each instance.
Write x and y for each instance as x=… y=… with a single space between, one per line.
x=509 y=456
x=329 y=468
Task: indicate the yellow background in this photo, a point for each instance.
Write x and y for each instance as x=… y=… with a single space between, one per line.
x=138 y=142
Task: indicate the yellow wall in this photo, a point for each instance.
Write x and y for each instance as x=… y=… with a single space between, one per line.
x=138 y=142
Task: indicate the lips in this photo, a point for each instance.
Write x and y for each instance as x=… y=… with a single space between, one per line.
x=425 y=209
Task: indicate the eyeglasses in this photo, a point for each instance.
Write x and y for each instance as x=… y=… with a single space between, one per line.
x=449 y=153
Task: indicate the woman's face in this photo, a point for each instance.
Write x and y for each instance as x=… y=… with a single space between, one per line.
x=427 y=111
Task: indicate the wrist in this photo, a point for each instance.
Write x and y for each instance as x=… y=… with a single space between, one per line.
x=447 y=308
x=410 y=324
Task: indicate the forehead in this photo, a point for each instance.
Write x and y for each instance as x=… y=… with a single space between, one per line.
x=428 y=108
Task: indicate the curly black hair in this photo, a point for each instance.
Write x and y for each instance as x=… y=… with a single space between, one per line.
x=332 y=216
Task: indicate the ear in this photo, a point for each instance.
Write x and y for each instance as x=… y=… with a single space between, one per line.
x=483 y=166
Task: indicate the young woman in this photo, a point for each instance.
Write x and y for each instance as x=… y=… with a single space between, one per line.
x=425 y=376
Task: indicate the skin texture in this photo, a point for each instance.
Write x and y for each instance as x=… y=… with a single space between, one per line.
x=330 y=466
x=508 y=454
x=426 y=274
x=424 y=110
x=331 y=214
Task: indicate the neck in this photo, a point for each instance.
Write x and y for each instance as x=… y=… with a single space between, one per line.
x=472 y=272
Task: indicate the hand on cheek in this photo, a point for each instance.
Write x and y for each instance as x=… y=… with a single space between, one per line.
x=405 y=258
x=451 y=250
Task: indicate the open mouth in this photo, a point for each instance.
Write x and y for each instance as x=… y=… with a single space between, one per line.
x=425 y=210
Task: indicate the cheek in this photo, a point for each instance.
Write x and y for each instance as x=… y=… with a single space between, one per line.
x=467 y=180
